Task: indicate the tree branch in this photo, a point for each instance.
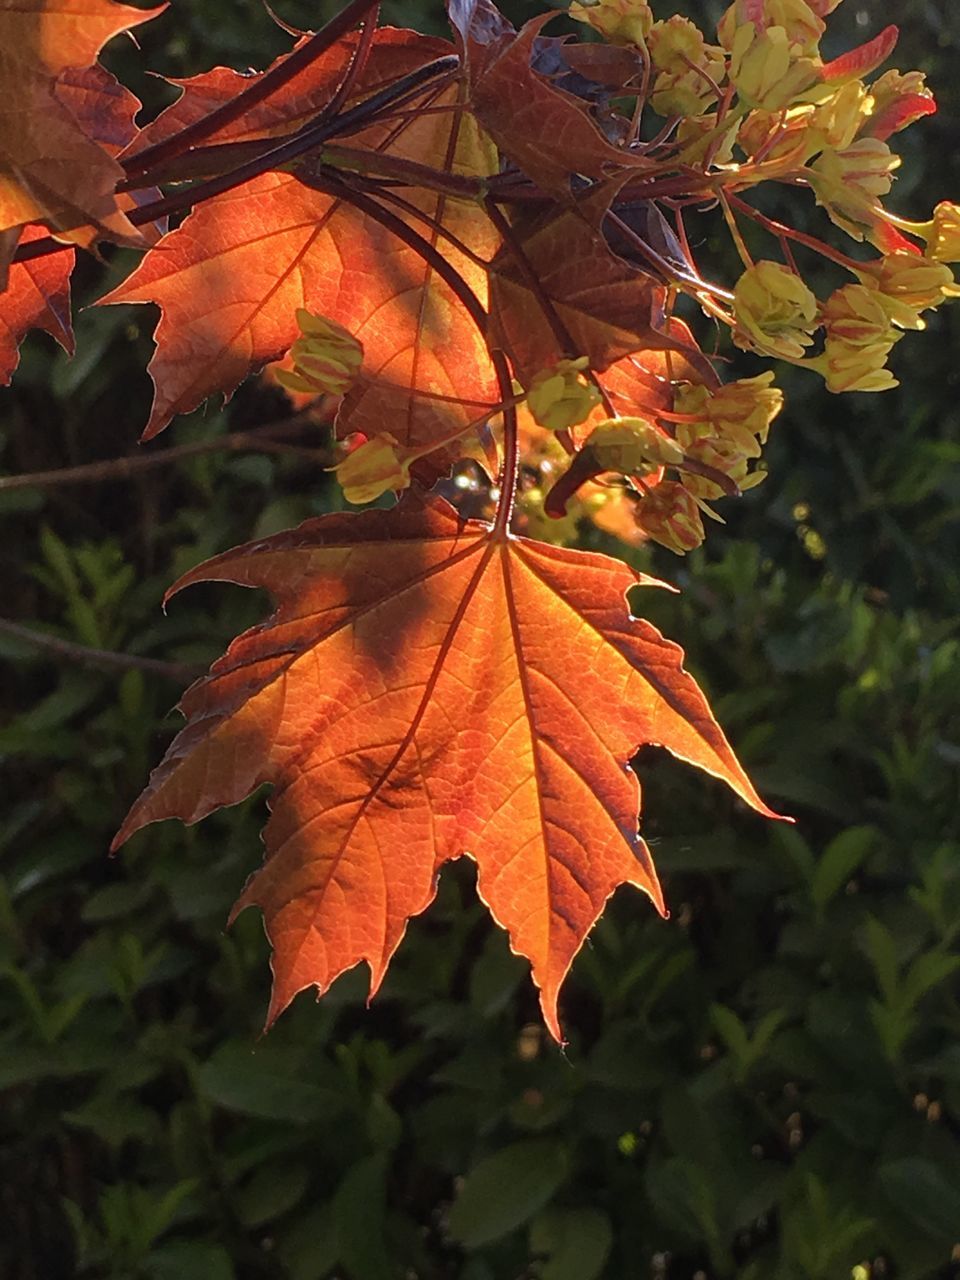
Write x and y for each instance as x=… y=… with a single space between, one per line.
x=178 y=671
x=260 y=439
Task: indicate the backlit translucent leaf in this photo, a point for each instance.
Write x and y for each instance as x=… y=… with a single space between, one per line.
x=424 y=690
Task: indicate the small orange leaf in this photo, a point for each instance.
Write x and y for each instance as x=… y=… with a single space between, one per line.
x=548 y=133
x=51 y=169
x=862 y=60
x=428 y=688
x=37 y=297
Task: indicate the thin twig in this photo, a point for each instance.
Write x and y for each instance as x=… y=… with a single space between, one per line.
x=357 y=64
x=178 y=671
x=781 y=231
x=511 y=447
x=260 y=439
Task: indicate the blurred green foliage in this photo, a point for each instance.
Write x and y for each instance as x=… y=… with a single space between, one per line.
x=766 y=1087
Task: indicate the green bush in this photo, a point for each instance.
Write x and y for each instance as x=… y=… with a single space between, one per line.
x=765 y=1087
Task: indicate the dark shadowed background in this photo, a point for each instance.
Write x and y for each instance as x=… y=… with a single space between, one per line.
x=765 y=1087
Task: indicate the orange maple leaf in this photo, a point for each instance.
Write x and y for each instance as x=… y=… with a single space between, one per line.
x=37 y=297
x=256 y=254
x=51 y=168
x=429 y=688
x=37 y=293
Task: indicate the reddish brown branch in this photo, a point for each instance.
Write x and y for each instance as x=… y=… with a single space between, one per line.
x=260 y=89
x=357 y=64
x=511 y=447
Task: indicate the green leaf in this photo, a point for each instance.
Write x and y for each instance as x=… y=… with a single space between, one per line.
x=882 y=949
x=925 y=973
x=838 y=862
x=575 y=1243
x=359 y=1211
x=271 y=1191
x=505 y=1190
x=264 y=1083
x=114 y=1120
x=189 y=1260
x=734 y=1033
x=925 y=1194
x=308 y=1246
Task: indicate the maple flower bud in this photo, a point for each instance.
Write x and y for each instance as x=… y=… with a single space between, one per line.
x=837 y=120
x=851 y=367
x=859 y=337
x=848 y=182
x=561 y=397
x=670 y=515
x=774 y=311
x=681 y=95
x=675 y=44
x=689 y=70
x=767 y=70
x=631 y=446
x=907 y=284
x=898 y=100
x=779 y=135
x=374 y=467
x=326 y=359
x=892 y=86
x=620 y=21
x=697 y=129
x=723 y=457
x=802 y=25
x=740 y=412
x=943 y=242
x=856 y=316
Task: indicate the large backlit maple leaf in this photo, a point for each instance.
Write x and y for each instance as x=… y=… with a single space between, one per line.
x=429 y=688
x=51 y=169
x=257 y=253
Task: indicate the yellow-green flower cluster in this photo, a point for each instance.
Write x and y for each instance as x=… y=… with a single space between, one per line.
x=859 y=337
x=718 y=432
x=375 y=467
x=688 y=69
x=774 y=312
x=670 y=515
x=722 y=430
